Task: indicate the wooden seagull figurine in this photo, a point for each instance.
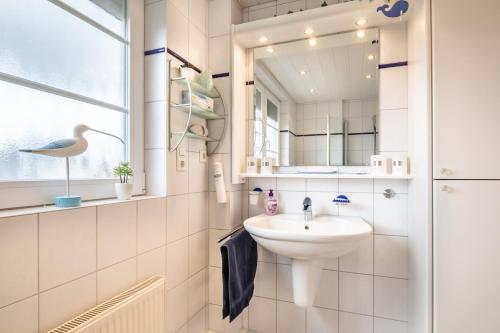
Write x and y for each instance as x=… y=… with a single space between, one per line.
x=67 y=148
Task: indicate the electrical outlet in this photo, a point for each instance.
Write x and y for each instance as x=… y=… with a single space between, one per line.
x=203 y=155
x=181 y=159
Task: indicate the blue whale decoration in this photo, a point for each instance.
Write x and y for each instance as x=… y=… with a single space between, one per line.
x=397 y=10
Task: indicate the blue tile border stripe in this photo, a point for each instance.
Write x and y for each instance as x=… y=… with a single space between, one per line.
x=154 y=51
x=394 y=64
x=216 y=76
x=181 y=59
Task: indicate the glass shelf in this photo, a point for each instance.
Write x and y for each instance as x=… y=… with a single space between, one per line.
x=196 y=87
x=197 y=111
x=196 y=137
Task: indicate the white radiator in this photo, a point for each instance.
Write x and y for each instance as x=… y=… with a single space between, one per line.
x=140 y=309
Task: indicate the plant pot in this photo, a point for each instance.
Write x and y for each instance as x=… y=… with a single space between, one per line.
x=124 y=190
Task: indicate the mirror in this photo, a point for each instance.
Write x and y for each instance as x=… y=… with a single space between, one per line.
x=315 y=101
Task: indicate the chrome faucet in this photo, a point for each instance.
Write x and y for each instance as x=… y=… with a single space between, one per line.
x=307 y=209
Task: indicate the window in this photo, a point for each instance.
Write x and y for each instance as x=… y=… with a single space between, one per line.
x=258 y=120
x=272 y=130
x=63 y=63
x=266 y=124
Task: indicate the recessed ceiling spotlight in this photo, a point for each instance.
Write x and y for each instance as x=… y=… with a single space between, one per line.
x=368 y=76
x=263 y=39
x=360 y=33
x=311 y=90
x=371 y=57
x=270 y=49
x=302 y=72
x=361 y=22
x=309 y=31
x=312 y=41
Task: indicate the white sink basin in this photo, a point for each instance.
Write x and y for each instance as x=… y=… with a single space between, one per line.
x=309 y=245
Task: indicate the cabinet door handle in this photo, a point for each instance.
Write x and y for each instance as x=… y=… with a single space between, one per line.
x=445 y=171
x=446 y=188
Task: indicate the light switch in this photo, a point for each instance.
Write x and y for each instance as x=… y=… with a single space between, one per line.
x=203 y=155
x=181 y=159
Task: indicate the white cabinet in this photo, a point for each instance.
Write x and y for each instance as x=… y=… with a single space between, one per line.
x=466 y=82
x=467 y=256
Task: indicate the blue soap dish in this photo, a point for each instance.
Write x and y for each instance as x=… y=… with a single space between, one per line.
x=341 y=200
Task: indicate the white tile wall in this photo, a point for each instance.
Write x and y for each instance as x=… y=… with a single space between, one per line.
x=177 y=262
x=389 y=326
x=355 y=289
x=155 y=119
x=178 y=35
x=290 y=318
x=18 y=258
x=67 y=245
x=183 y=243
x=356 y=293
x=20 y=317
x=390 y=298
x=154 y=31
x=197 y=292
x=222 y=10
x=355 y=323
x=71 y=242
x=177 y=307
x=177 y=217
x=262 y=315
x=393 y=93
x=322 y=320
x=265 y=280
x=116 y=233
x=151 y=263
x=198 y=254
x=151 y=224
x=58 y=305
x=115 y=279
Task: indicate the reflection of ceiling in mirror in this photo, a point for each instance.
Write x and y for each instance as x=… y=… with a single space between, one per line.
x=327 y=74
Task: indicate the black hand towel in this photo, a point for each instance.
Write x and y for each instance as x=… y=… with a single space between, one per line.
x=239 y=264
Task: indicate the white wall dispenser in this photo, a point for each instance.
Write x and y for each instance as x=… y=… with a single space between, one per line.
x=220 y=188
x=400 y=166
x=252 y=164
x=381 y=165
x=254 y=196
x=266 y=165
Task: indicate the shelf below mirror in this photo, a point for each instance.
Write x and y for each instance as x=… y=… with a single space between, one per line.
x=324 y=176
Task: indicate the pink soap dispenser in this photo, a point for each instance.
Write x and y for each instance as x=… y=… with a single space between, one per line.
x=271 y=204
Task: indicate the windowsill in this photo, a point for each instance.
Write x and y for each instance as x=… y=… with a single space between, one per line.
x=52 y=208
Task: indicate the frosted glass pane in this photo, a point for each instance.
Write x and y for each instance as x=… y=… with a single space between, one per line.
x=99 y=15
x=31 y=119
x=43 y=43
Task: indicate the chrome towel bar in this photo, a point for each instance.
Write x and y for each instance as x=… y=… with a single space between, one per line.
x=229 y=234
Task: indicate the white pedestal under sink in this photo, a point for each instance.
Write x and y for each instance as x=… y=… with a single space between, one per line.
x=309 y=245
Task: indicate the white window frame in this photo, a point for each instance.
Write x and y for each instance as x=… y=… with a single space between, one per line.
x=16 y=194
x=265 y=95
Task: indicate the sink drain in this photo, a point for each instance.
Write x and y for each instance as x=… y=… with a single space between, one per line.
x=306 y=227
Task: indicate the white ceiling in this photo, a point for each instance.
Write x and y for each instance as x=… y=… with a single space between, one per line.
x=334 y=73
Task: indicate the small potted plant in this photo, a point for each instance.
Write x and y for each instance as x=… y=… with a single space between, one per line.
x=123 y=188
